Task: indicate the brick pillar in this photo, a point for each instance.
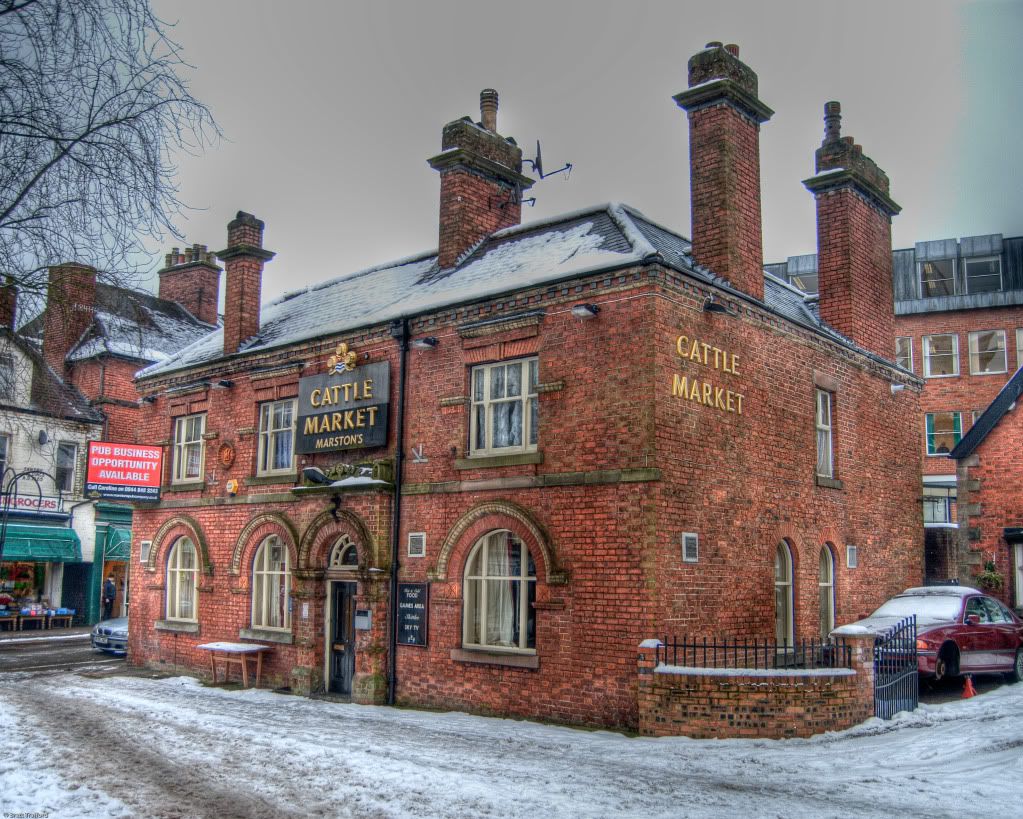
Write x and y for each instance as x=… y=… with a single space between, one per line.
x=8 y=303
x=70 y=304
x=863 y=664
x=854 y=240
x=725 y=115
x=192 y=279
x=481 y=182
x=243 y=260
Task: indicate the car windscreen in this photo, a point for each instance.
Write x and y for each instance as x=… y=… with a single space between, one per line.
x=925 y=607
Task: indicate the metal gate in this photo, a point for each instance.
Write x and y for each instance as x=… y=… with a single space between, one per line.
x=896 y=683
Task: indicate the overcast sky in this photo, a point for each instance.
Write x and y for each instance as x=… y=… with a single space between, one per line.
x=330 y=111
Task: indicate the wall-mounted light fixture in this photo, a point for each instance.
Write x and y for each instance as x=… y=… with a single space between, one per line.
x=585 y=311
x=314 y=474
x=427 y=343
x=898 y=388
x=148 y=399
x=712 y=305
x=223 y=384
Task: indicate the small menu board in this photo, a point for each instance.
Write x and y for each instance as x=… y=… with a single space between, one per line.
x=413 y=607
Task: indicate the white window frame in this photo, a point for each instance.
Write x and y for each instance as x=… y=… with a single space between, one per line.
x=950 y=278
x=65 y=446
x=900 y=357
x=269 y=434
x=476 y=591
x=926 y=343
x=482 y=406
x=271 y=586
x=188 y=434
x=690 y=547
x=5 y=450
x=8 y=380
x=852 y=556
x=825 y=434
x=929 y=436
x=975 y=352
x=784 y=626
x=976 y=259
x=826 y=590
x=942 y=498
x=182 y=581
x=1019 y=348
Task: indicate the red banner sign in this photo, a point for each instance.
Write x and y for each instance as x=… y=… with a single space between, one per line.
x=124 y=471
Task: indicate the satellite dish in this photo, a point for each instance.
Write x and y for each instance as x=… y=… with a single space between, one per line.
x=538 y=163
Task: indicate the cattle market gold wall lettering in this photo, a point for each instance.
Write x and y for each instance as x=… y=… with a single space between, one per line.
x=699 y=390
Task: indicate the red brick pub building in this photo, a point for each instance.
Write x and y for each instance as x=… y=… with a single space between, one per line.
x=539 y=445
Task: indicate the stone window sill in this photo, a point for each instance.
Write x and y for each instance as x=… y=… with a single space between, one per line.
x=490 y=461
x=529 y=661
x=185 y=487
x=266 y=635
x=829 y=483
x=180 y=626
x=267 y=480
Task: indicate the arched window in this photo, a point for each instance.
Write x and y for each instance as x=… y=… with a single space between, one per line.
x=182 y=572
x=500 y=590
x=271 y=585
x=826 y=589
x=783 y=632
x=344 y=555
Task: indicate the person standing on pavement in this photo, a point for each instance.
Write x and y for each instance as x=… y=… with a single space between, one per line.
x=109 y=593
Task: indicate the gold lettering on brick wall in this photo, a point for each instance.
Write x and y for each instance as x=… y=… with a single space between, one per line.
x=702 y=391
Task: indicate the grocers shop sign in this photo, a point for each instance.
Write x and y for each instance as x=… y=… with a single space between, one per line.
x=345 y=408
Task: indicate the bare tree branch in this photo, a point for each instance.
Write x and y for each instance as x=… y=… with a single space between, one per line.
x=93 y=110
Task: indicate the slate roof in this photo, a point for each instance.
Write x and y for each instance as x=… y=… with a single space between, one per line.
x=989 y=419
x=132 y=324
x=51 y=395
x=602 y=238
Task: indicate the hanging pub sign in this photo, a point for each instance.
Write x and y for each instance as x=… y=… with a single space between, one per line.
x=123 y=471
x=345 y=408
x=413 y=605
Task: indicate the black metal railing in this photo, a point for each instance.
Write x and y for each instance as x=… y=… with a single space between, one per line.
x=754 y=654
x=896 y=682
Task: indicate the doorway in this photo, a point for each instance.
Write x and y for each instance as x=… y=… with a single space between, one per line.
x=341 y=643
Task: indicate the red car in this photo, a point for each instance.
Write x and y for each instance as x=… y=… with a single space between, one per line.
x=959 y=630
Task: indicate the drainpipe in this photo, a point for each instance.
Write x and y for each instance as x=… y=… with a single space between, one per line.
x=399 y=331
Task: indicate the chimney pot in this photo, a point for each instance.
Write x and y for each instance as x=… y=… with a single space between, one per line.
x=832 y=122
x=713 y=44
x=488 y=109
x=732 y=49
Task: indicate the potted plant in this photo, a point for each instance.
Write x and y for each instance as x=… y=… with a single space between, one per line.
x=990 y=580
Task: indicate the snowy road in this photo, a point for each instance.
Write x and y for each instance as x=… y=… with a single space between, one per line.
x=130 y=746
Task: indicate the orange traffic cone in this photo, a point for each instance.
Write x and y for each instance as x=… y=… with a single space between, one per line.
x=968 y=689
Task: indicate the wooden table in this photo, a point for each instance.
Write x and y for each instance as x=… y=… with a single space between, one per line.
x=60 y=619
x=235 y=654
x=31 y=618
x=9 y=620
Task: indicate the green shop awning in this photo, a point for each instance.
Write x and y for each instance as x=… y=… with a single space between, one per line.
x=42 y=544
x=117 y=545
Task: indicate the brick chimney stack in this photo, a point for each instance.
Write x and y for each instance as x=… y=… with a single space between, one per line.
x=243 y=260
x=725 y=115
x=854 y=239
x=8 y=303
x=481 y=181
x=192 y=279
x=70 y=305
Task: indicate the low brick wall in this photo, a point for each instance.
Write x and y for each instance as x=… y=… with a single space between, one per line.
x=721 y=703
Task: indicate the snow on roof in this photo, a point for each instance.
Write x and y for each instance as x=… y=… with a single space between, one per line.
x=599 y=238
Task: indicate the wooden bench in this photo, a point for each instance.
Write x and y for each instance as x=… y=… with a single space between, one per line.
x=235 y=654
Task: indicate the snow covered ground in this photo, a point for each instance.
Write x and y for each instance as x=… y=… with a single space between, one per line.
x=129 y=746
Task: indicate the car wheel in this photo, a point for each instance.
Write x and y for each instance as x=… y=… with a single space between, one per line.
x=1016 y=675
x=947 y=664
